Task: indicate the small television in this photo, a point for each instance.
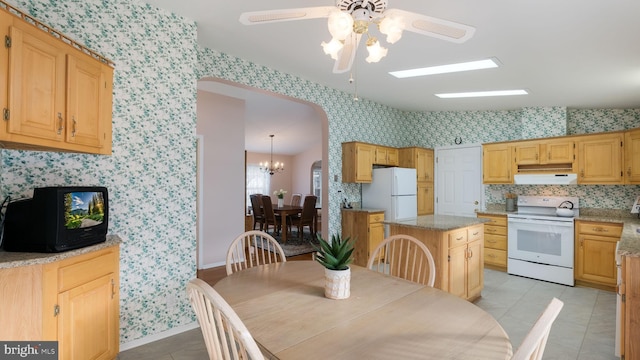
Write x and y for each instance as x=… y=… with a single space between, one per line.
x=56 y=219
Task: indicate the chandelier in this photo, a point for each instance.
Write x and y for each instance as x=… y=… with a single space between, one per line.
x=353 y=19
x=269 y=166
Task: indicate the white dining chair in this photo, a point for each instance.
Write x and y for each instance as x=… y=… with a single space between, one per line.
x=252 y=248
x=532 y=347
x=225 y=335
x=405 y=257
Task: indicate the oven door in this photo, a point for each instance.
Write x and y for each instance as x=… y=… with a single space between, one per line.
x=541 y=241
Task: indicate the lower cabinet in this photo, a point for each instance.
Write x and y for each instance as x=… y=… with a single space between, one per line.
x=74 y=301
x=366 y=228
x=495 y=241
x=595 y=247
x=458 y=255
x=630 y=308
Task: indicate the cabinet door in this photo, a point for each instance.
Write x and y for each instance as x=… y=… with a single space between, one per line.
x=497 y=164
x=424 y=164
x=457 y=271
x=364 y=162
x=632 y=157
x=558 y=152
x=527 y=153
x=475 y=268
x=596 y=259
x=392 y=156
x=376 y=235
x=36 y=84
x=86 y=93
x=600 y=159
x=425 y=198
x=88 y=324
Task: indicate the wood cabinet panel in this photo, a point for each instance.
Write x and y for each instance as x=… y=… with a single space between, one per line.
x=366 y=229
x=632 y=156
x=357 y=162
x=600 y=159
x=495 y=241
x=425 y=198
x=497 y=164
x=385 y=155
x=595 y=246
x=630 y=321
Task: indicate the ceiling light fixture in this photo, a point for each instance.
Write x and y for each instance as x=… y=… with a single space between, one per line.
x=355 y=21
x=269 y=166
x=482 y=94
x=449 y=68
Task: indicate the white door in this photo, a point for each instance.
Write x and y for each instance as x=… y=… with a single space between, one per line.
x=458 y=180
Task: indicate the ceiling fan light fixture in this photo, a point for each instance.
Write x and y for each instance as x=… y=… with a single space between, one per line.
x=392 y=26
x=376 y=52
x=332 y=48
x=340 y=24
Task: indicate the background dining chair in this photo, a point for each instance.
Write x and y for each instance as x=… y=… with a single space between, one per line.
x=225 y=336
x=256 y=207
x=532 y=347
x=405 y=257
x=270 y=217
x=295 y=199
x=252 y=248
x=307 y=217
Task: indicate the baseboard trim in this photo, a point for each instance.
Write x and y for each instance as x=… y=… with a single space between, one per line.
x=159 y=336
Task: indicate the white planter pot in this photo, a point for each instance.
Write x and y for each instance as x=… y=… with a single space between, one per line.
x=280 y=202
x=337 y=283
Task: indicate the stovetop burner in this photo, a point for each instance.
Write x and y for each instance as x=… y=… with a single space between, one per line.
x=544 y=207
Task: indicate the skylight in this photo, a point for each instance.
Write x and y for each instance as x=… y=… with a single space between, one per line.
x=443 y=69
x=482 y=94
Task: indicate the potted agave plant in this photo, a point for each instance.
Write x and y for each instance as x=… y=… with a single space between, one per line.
x=336 y=257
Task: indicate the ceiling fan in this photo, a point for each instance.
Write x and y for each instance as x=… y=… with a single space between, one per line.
x=349 y=20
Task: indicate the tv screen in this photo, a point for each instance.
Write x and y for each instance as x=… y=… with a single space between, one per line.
x=83 y=209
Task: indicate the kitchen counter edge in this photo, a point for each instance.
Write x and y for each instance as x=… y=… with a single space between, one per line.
x=10 y=259
x=438 y=222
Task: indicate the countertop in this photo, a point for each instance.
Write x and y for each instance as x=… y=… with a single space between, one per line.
x=10 y=259
x=438 y=222
x=630 y=239
x=363 y=210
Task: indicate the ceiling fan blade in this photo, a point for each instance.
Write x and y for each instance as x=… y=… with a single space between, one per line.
x=347 y=54
x=269 y=16
x=435 y=27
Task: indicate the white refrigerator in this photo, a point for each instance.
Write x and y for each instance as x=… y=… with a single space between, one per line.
x=393 y=190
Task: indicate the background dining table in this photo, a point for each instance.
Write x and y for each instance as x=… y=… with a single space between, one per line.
x=284 y=308
x=285 y=211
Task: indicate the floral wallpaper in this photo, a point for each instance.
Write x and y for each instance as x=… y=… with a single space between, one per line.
x=151 y=175
x=544 y=122
x=152 y=172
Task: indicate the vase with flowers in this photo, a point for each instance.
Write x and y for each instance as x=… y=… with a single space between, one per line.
x=280 y=194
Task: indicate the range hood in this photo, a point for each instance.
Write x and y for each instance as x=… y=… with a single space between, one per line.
x=545 y=179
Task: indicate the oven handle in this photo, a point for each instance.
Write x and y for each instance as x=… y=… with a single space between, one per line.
x=539 y=222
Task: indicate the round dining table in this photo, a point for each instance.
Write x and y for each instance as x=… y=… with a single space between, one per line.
x=284 y=307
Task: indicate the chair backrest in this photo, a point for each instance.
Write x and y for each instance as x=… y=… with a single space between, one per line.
x=405 y=257
x=253 y=248
x=532 y=347
x=225 y=336
x=308 y=208
x=256 y=204
x=296 y=199
x=267 y=209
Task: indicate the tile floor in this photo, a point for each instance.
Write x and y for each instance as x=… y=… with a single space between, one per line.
x=584 y=330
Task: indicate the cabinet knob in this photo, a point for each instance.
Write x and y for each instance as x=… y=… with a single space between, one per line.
x=60 y=123
x=73 y=129
x=629 y=171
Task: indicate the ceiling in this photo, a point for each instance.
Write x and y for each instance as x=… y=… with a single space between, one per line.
x=573 y=53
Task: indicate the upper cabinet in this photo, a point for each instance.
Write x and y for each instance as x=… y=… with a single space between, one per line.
x=386 y=156
x=57 y=96
x=632 y=156
x=600 y=158
x=357 y=162
x=420 y=159
x=542 y=152
x=497 y=163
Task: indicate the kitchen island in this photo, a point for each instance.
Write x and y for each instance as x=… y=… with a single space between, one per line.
x=457 y=246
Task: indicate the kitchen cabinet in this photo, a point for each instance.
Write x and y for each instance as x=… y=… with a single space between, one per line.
x=629 y=290
x=386 y=156
x=497 y=163
x=74 y=301
x=632 y=156
x=421 y=159
x=595 y=247
x=495 y=241
x=357 y=162
x=58 y=97
x=425 y=198
x=557 y=152
x=600 y=158
x=366 y=229
x=458 y=254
